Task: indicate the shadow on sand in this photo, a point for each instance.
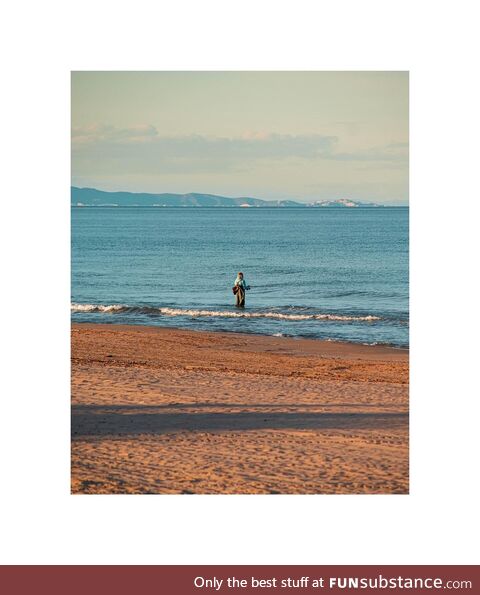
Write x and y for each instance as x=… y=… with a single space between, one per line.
x=118 y=420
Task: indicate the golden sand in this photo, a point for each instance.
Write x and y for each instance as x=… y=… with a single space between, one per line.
x=169 y=411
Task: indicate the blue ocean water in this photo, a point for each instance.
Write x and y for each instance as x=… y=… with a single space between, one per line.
x=327 y=273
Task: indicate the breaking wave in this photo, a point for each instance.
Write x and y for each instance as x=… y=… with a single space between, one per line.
x=194 y=313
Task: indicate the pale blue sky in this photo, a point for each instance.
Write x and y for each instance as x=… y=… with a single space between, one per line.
x=273 y=135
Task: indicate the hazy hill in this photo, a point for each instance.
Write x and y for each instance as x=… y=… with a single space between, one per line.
x=93 y=197
x=90 y=197
x=342 y=202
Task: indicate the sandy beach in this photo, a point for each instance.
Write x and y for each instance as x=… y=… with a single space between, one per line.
x=168 y=411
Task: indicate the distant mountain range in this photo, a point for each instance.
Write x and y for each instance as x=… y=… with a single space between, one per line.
x=90 y=197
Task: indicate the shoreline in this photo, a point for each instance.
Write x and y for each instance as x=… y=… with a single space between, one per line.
x=330 y=347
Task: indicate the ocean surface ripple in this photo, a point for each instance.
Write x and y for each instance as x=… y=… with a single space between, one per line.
x=338 y=274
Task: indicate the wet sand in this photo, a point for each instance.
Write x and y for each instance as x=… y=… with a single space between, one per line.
x=169 y=411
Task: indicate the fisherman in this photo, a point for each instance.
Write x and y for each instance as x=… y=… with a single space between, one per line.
x=239 y=288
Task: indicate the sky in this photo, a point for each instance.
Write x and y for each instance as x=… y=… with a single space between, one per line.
x=302 y=136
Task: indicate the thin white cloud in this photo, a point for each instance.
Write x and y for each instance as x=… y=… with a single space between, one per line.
x=141 y=149
x=393 y=153
x=250 y=145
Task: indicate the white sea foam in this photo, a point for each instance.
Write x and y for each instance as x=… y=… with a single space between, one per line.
x=279 y=315
x=196 y=313
x=98 y=308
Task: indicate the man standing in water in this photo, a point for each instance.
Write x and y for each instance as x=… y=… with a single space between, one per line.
x=239 y=288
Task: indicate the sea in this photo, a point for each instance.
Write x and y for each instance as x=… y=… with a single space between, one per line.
x=338 y=274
